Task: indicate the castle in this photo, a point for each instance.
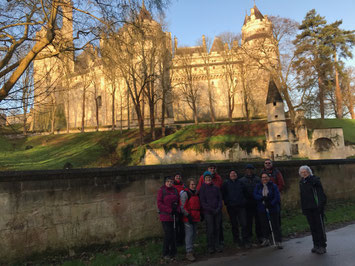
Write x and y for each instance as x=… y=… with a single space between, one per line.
x=192 y=83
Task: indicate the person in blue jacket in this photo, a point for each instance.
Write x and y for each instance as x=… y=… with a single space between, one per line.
x=267 y=196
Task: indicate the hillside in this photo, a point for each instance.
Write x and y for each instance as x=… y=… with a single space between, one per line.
x=108 y=148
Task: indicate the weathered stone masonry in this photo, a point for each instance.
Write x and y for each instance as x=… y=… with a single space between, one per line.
x=49 y=210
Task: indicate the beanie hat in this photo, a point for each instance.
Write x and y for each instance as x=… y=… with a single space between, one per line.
x=249 y=166
x=207 y=173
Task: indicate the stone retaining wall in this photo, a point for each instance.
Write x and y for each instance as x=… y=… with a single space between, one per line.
x=50 y=210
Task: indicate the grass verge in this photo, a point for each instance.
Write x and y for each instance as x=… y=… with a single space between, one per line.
x=148 y=252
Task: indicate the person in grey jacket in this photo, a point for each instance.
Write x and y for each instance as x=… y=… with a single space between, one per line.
x=313 y=201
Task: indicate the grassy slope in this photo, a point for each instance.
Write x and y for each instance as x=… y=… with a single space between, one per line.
x=53 y=151
x=348 y=126
x=101 y=149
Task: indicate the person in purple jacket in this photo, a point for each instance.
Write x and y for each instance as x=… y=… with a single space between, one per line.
x=168 y=206
x=211 y=203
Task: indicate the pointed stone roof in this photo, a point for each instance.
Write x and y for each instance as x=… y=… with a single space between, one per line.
x=273 y=94
x=217 y=45
x=257 y=13
x=144 y=13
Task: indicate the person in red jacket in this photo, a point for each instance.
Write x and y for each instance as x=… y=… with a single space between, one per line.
x=274 y=174
x=179 y=228
x=168 y=205
x=216 y=178
x=190 y=207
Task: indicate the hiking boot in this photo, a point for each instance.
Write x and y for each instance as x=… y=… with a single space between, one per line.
x=265 y=243
x=314 y=249
x=219 y=249
x=247 y=245
x=279 y=245
x=211 y=250
x=321 y=250
x=190 y=256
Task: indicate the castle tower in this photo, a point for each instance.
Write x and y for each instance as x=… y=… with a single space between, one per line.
x=257 y=48
x=277 y=142
x=49 y=71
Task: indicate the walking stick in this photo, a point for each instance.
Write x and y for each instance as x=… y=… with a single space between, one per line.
x=270 y=225
x=320 y=214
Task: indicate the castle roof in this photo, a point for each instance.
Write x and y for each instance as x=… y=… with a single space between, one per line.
x=144 y=13
x=273 y=94
x=217 y=45
x=189 y=50
x=256 y=13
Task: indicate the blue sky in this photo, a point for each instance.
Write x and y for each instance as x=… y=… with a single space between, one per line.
x=189 y=19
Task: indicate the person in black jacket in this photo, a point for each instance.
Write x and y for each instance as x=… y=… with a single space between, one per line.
x=233 y=193
x=250 y=180
x=313 y=201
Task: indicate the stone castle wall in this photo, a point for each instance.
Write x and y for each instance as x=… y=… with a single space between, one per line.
x=59 y=210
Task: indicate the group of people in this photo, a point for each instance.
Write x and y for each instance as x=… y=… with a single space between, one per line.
x=249 y=200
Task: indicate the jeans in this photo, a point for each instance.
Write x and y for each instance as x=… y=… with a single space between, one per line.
x=169 y=245
x=213 y=225
x=237 y=217
x=190 y=236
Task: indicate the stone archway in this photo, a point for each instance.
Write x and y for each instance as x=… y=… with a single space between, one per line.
x=323 y=144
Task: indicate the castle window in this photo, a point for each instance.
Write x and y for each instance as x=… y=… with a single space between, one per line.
x=278 y=136
x=212 y=82
x=276 y=116
x=274 y=103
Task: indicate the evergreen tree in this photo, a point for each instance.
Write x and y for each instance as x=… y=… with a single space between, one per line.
x=339 y=42
x=313 y=57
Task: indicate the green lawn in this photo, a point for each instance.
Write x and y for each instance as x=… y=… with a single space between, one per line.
x=107 y=148
x=348 y=126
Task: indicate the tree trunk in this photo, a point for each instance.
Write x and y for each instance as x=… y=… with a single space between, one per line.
x=321 y=96
x=24 y=123
x=83 y=112
x=113 y=110
x=338 y=95
x=68 y=114
x=163 y=114
x=97 y=114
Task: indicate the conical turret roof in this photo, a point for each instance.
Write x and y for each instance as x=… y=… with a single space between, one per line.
x=273 y=94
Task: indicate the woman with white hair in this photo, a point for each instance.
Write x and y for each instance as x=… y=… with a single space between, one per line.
x=313 y=201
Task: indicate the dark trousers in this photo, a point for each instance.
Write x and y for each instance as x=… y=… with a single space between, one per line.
x=237 y=217
x=213 y=225
x=275 y=223
x=316 y=223
x=180 y=230
x=253 y=218
x=169 y=245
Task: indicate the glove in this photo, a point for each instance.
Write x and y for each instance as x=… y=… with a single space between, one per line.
x=189 y=217
x=202 y=217
x=174 y=207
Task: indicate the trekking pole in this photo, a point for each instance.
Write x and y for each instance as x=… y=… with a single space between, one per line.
x=270 y=225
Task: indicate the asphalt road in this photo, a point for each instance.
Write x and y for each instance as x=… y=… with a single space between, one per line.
x=340 y=252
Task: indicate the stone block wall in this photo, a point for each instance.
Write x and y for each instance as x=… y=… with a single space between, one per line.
x=58 y=210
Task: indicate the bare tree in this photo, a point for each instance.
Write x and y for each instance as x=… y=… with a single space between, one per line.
x=36 y=23
x=188 y=88
x=206 y=44
x=230 y=60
